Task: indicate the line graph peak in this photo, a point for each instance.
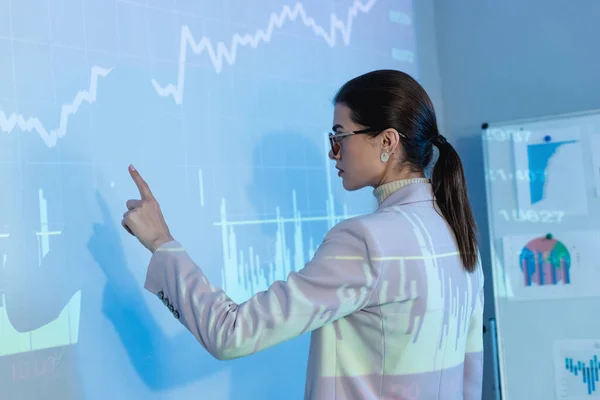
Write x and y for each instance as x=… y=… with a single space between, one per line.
x=14 y=121
x=220 y=53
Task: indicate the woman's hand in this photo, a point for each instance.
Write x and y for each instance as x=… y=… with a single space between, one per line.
x=143 y=218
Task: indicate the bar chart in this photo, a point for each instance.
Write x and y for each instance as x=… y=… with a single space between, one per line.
x=577 y=369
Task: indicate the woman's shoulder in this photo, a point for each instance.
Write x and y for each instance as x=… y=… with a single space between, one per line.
x=359 y=223
x=364 y=228
x=396 y=229
x=374 y=223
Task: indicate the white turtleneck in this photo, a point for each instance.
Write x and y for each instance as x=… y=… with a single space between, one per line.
x=382 y=192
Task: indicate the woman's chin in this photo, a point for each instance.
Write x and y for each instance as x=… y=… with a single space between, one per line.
x=349 y=185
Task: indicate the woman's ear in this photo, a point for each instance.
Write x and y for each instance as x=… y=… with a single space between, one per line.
x=390 y=140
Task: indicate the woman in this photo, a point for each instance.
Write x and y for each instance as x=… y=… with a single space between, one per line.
x=394 y=299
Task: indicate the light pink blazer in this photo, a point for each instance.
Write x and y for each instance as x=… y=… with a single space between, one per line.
x=392 y=312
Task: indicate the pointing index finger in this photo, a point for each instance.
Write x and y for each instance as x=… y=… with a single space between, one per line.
x=140 y=183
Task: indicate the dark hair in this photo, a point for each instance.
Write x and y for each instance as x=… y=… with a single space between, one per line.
x=393 y=99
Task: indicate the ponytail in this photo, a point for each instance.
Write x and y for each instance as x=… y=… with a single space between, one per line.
x=390 y=98
x=450 y=190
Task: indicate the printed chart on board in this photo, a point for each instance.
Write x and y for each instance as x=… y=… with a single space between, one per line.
x=552 y=267
x=577 y=369
x=556 y=178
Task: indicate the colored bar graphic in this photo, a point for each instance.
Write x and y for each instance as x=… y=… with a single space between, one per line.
x=545 y=261
x=587 y=372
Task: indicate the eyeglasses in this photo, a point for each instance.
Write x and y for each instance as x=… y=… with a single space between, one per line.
x=335 y=138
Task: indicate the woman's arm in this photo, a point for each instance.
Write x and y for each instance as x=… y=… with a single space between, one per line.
x=336 y=282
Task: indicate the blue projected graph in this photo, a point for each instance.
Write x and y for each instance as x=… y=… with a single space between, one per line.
x=586 y=370
x=539 y=156
x=224 y=108
x=16 y=121
x=242 y=273
x=220 y=53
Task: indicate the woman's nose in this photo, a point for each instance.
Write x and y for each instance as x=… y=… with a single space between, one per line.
x=334 y=156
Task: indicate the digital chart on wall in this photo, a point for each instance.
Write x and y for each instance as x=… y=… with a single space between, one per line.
x=224 y=108
x=551 y=265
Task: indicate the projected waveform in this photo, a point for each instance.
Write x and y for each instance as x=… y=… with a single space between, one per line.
x=13 y=121
x=220 y=53
x=242 y=275
x=44 y=226
x=64 y=329
x=201 y=186
x=589 y=373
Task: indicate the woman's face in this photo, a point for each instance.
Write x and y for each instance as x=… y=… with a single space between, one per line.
x=359 y=157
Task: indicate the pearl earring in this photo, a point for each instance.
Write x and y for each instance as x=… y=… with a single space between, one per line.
x=385 y=157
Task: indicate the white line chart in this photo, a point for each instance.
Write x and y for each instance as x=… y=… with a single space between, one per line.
x=8 y=123
x=218 y=53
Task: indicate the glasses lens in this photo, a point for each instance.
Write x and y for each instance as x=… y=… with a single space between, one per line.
x=335 y=149
x=335 y=146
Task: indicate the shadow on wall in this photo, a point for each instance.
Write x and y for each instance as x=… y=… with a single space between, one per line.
x=283 y=162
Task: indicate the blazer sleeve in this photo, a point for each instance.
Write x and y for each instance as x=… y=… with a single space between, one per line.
x=337 y=282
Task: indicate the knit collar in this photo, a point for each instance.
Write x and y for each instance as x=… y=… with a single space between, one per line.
x=382 y=192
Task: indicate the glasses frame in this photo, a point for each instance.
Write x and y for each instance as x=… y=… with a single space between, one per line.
x=335 y=138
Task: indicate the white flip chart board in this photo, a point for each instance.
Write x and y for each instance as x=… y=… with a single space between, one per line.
x=543 y=195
